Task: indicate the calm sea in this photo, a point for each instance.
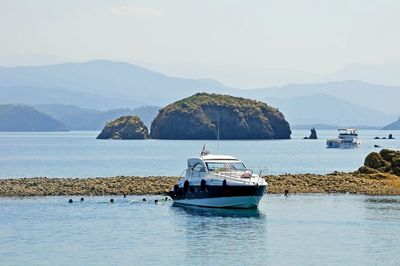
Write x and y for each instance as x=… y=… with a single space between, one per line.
x=79 y=154
x=294 y=230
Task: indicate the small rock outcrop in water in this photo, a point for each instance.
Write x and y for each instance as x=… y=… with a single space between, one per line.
x=386 y=161
x=313 y=134
x=201 y=115
x=125 y=127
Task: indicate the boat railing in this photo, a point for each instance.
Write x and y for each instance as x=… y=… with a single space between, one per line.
x=246 y=174
x=230 y=174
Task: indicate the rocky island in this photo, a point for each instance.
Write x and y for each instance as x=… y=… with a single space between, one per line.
x=205 y=116
x=125 y=127
x=378 y=176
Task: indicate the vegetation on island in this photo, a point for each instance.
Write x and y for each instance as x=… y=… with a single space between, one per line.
x=204 y=116
x=125 y=127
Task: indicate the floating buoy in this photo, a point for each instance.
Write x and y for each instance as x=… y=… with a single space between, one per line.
x=70 y=201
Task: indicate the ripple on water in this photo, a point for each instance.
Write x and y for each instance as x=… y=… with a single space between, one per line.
x=300 y=229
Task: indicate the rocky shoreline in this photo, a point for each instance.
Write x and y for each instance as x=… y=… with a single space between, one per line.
x=370 y=184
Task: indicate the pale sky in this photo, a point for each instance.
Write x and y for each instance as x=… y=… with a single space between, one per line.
x=211 y=37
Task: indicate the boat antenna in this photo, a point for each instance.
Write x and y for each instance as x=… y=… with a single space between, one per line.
x=218 y=136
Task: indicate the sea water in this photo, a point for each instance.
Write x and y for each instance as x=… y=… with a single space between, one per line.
x=299 y=229
x=293 y=230
x=80 y=154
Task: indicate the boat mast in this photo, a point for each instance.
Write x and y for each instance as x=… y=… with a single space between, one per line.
x=218 y=137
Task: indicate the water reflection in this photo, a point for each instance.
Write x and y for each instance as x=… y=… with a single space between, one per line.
x=220 y=236
x=382 y=207
x=379 y=200
x=220 y=212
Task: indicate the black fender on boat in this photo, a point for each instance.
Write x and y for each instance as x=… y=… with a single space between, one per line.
x=203 y=184
x=186 y=186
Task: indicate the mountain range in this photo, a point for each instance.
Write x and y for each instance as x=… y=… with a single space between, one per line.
x=17 y=118
x=77 y=118
x=98 y=84
x=103 y=85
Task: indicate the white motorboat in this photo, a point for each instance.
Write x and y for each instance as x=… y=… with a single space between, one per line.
x=218 y=181
x=348 y=138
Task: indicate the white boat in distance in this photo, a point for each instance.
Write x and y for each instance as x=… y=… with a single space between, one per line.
x=218 y=181
x=347 y=139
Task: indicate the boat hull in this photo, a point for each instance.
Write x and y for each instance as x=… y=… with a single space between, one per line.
x=247 y=196
x=238 y=202
x=342 y=145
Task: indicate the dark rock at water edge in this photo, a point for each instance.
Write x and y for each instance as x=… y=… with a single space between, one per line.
x=203 y=116
x=313 y=134
x=125 y=127
x=386 y=161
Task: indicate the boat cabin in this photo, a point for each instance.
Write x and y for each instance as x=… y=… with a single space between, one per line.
x=347 y=133
x=198 y=167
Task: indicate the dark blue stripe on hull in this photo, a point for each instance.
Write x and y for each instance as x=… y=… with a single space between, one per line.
x=195 y=192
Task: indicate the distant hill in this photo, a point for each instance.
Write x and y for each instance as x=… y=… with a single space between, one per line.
x=386 y=73
x=120 y=82
x=103 y=85
x=393 y=126
x=15 y=118
x=28 y=95
x=76 y=118
x=378 y=97
x=330 y=127
x=324 y=109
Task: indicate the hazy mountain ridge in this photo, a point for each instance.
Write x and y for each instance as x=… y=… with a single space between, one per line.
x=18 y=118
x=324 y=109
x=104 y=78
x=103 y=85
x=393 y=126
x=76 y=118
x=378 y=97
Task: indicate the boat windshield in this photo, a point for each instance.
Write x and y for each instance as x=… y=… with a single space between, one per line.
x=223 y=166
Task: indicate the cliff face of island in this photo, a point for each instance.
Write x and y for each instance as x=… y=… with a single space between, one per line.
x=19 y=118
x=200 y=116
x=125 y=127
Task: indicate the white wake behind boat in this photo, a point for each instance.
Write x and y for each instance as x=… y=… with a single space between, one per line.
x=218 y=181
